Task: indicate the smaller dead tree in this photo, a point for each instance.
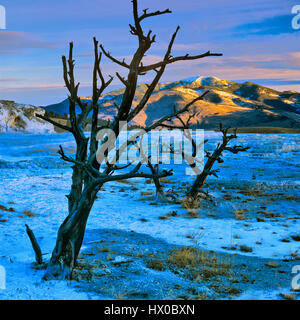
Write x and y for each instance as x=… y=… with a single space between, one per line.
x=216 y=156
x=191 y=159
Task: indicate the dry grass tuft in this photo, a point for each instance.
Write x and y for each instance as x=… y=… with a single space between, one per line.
x=205 y=264
x=202 y=296
x=172 y=214
x=296 y=237
x=190 y=203
x=245 y=248
x=163 y=217
x=125 y=181
x=147 y=193
x=272 y=264
x=29 y=213
x=240 y=214
x=3 y=208
x=165 y=180
x=105 y=249
x=291 y=197
x=288 y=296
x=146 y=199
x=156 y=264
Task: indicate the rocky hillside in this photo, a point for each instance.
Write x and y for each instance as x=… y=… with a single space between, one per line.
x=16 y=117
x=234 y=104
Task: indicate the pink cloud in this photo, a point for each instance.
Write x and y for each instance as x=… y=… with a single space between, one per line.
x=12 y=42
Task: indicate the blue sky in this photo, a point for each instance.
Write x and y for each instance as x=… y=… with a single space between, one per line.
x=255 y=37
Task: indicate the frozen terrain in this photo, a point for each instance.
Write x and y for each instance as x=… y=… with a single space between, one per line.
x=256 y=207
x=15 y=117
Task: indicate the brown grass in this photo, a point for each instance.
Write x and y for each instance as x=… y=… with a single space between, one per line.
x=146 y=199
x=125 y=181
x=163 y=217
x=288 y=296
x=147 y=193
x=296 y=237
x=3 y=208
x=172 y=214
x=105 y=249
x=189 y=203
x=240 y=214
x=204 y=263
x=290 y=197
x=245 y=248
x=156 y=264
x=272 y=264
x=29 y=213
x=165 y=180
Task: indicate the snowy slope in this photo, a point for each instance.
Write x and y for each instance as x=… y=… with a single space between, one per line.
x=21 y=118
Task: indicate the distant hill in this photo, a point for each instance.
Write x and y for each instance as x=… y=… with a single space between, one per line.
x=15 y=117
x=234 y=104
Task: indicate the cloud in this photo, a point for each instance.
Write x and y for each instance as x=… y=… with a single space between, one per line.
x=13 y=42
x=273 y=82
x=280 y=24
x=10 y=79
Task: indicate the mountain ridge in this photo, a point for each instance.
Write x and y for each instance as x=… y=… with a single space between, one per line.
x=234 y=104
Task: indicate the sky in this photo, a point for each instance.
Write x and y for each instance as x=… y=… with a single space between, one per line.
x=255 y=36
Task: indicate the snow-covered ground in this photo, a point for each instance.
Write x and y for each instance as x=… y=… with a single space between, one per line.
x=261 y=183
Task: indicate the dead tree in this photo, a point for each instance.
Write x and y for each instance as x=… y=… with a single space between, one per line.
x=35 y=246
x=192 y=159
x=89 y=172
x=216 y=156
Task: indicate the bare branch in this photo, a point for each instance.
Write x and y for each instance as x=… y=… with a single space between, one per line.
x=57 y=124
x=155 y=81
x=86 y=166
x=152 y=14
x=236 y=149
x=133 y=174
x=109 y=56
x=179 y=58
x=125 y=82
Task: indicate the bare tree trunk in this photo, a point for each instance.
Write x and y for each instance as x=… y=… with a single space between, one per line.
x=35 y=245
x=69 y=239
x=160 y=194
